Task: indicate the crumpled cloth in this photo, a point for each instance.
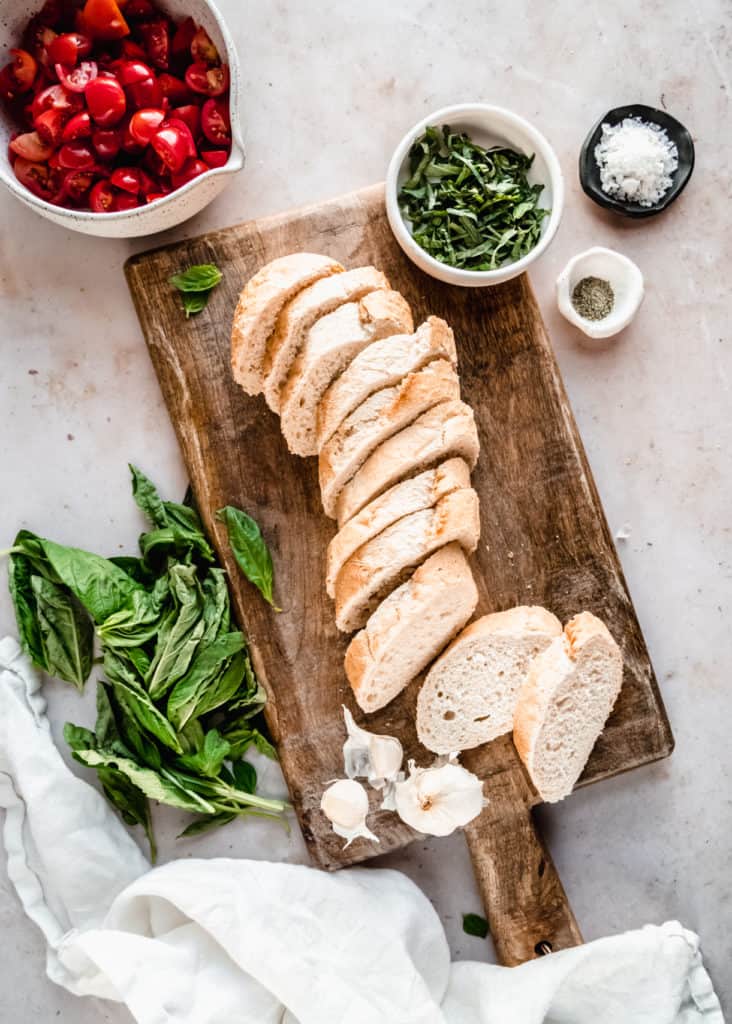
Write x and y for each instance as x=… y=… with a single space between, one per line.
x=217 y=941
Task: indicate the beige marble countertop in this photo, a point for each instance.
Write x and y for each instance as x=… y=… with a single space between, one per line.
x=329 y=90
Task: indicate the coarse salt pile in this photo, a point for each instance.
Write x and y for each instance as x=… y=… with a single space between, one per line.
x=636 y=160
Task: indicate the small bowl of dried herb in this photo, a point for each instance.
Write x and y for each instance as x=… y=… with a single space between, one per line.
x=600 y=291
x=474 y=194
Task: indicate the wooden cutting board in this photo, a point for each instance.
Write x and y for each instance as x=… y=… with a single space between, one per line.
x=544 y=538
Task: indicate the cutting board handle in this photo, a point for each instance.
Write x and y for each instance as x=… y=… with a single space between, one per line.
x=524 y=899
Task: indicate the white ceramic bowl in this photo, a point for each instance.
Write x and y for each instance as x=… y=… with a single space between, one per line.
x=622 y=275
x=488 y=126
x=163 y=213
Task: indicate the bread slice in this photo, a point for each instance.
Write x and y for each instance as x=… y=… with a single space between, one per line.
x=470 y=693
x=442 y=432
x=382 y=365
x=421 y=492
x=260 y=302
x=299 y=315
x=382 y=414
x=381 y=564
x=410 y=627
x=562 y=708
x=329 y=346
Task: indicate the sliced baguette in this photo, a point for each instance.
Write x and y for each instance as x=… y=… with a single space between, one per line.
x=299 y=315
x=259 y=304
x=381 y=564
x=562 y=708
x=382 y=414
x=445 y=431
x=421 y=492
x=410 y=627
x=382 y=365
x=329 y=346
x=470 y=693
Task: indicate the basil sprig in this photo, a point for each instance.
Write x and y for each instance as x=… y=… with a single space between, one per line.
x=470 y=207
x=250 y=550
x=179 y=704
x=195 y=285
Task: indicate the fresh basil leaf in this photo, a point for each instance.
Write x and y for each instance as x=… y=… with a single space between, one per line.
x=148 y=717
x=101 y=586
x=200 y=278
x=135 y=568
x=245 y=776
x=250 y=550
x=194 y=302
x=216 y=611
x=174 y=542
x=201 y=825
x=211 y=756
x=242 y=735
x=66 y=632
x=147 y=498
x=132 y=741
x=474 y=924
x=20 y=577
x=180 y=634
x=191 y=736
x=131 y=803
x=79 y=738
x=194 y=694
x=138 y=621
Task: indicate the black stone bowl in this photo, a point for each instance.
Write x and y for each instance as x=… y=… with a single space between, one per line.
x=589 y=172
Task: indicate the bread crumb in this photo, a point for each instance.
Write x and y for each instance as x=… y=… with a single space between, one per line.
x=624 y=532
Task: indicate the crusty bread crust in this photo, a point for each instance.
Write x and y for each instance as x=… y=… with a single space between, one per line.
x=259 y=304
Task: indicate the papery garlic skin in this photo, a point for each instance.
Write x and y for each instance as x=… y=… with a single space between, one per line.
x=345 y=804
x=369 y=756
x=438 y=800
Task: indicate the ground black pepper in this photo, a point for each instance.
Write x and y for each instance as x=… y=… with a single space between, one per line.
x=593 y=298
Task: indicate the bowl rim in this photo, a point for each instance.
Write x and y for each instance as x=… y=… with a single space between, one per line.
x=465 y=111
x=233 y=164
x=676 y=131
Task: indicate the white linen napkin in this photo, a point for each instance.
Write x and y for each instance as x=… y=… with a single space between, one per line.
x=206 y=942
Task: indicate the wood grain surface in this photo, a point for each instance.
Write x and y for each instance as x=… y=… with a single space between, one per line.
x=544 y=537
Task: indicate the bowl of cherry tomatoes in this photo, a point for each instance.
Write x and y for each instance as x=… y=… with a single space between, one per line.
x=118 y=118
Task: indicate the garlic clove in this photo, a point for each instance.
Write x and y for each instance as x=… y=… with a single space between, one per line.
x=345 y=804
x=440 y=799
x=370 y=756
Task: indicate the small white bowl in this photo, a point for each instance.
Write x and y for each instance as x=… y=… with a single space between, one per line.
x=622 y=275
x=163 y=213
x=488 y=126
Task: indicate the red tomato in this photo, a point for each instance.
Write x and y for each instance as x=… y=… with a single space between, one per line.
x=172 y=145
x=132 y=51
x=76 y=156
x=207 y=81
x=76 y=79
x=22 y=70
x=154 y=164
x=202 y=48
x=101 y=199
x=106 y=101
x=55 y=97
x=182 y=127
x=79 y=127
x=68 y=48
x=156 y=41
x=147 y=93
x=77 y=184
x=39 y=179
x=129 y=179
x=31 y=147
x=190 y=170
x=174 y=89
x=215 y=122
x=181 y=43
x=152 y=196
x=37 y=38
x=107 y=142
x=131 y=71
x=104 y=20
x=144 y=123
x=191 y=114
x=125 y=201
x=50 y=126
x=215 y=157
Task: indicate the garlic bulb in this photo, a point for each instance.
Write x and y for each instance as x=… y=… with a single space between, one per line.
x=368 y=756
x=345 y=804
x=439 y=799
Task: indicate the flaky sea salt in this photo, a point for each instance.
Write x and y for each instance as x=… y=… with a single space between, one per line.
x=636 y=160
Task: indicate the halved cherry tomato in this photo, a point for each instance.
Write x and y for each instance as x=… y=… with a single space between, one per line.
x=183 y=128
x=203 y=49
x=106 y=101
x=147 y=93
x=130 y=71
x=207 y=81
x=190 y=170
x=129 y=179
x=77 y=184
x=104 y=20
x=156 y=41
x=76 y=79
x=101 y=199
x=79 y=127
x=50 y=127
x=215 y=122
x=191 y=114
x=157 y=167
x=125 y=201
x=76 y=156
x=181 y=43
x=107 y=142
x=55 y=97
x=139 y=9
x=68 y=48
x=215 y=157
x=21 y=71
x=130 y=50
x=31 y=146
x=174 y=89
x=40 y=179
x=144 y=123
x=172 y=145
x=152 y=196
